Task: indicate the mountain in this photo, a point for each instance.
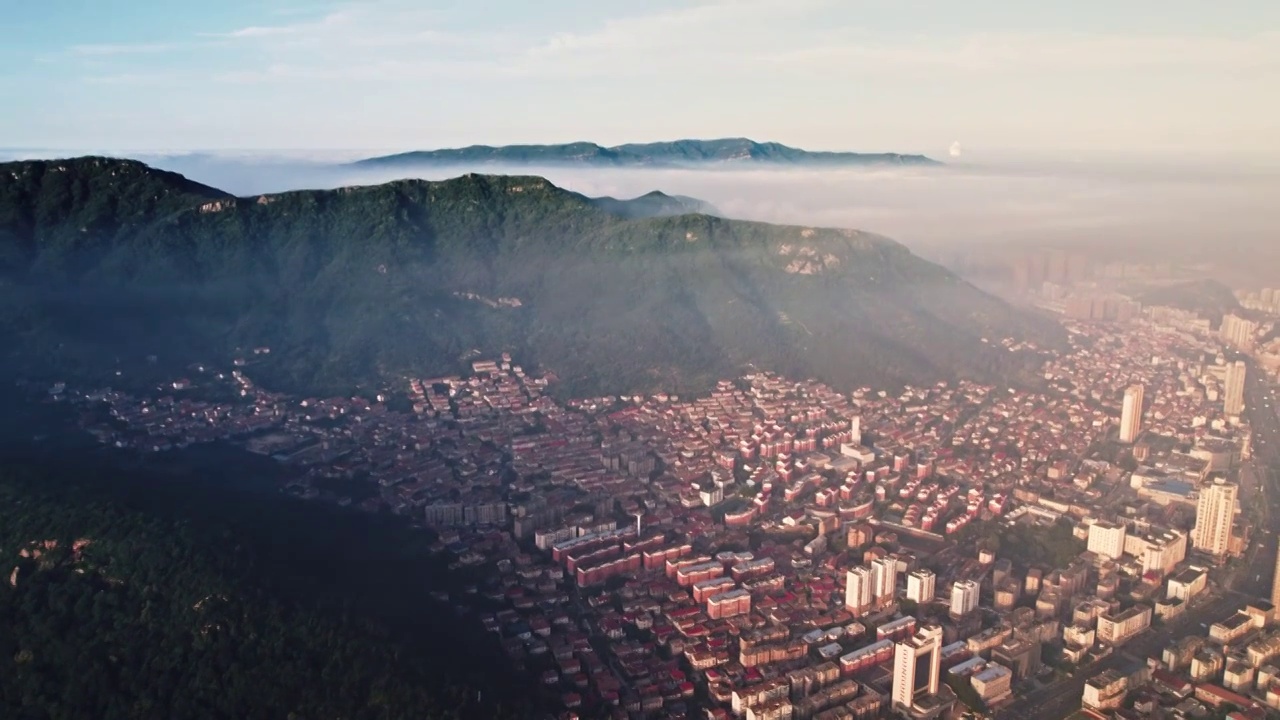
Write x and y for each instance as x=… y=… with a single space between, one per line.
x=655 y=204
x=726 y=151
x=1208 y=297
x=109 y=263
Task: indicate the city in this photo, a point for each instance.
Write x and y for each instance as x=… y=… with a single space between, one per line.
x=777 y=549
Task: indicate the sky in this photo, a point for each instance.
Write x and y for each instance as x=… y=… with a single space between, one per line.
x=987 y=78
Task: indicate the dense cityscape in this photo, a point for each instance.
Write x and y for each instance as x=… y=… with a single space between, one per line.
x=778 y=549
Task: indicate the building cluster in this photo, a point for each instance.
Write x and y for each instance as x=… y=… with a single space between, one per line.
x=778 y=549
x=1266 y=300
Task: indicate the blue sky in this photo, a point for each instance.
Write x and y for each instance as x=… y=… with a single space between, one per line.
x=1067 y=79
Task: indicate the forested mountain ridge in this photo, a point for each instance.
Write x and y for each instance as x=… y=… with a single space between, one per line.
x=368 y=284
x=678 y=153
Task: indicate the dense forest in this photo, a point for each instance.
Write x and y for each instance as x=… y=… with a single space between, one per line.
x=104 y=263
x=127 y=595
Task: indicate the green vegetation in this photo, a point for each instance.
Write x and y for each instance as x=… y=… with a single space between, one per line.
x=1027 y=545
x=965 y=693
x=660 y=154
x=366 y=285
x=188 y=601
x=1209 y=298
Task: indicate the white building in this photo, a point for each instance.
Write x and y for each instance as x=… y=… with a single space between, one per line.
x=1275 y=581
x=1131 y=414
x=993 y=683
x=1233 y=389
x=1215 y=511
x=920 y=586
x=1159 y=552
x=1116 y=629
x=1107 y=539
x=1187 y=584
x=884 y=580
x=964 y=597
x=917 y=664
x=857 y=590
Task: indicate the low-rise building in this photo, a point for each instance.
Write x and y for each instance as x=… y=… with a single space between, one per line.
x=1118 y=628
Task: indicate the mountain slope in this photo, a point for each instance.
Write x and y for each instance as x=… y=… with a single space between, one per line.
x=1210 y=298
x=366 y=284
x=655 y=204
x=737 y=151
x=155 y=594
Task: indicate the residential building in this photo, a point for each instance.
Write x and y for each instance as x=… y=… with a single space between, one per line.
x=993 y=683
x=1116 y=629
x=1131 y=414
x=1275 y=582
x=884 y=580
x=1233 y=389
x=1107 y=539
x=1187 y=584
x=1215 y=511
x=920 y=585
x=964 y=597
x=857 y=590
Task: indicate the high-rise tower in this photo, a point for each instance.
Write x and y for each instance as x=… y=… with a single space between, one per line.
x=1214 y=512
x=1131 y=414
x=1233 y=393
x=917 y=665
x=857 y=590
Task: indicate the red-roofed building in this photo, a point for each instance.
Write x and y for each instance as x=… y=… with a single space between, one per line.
x=1215 y=696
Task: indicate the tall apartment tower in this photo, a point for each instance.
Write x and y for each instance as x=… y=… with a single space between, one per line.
x=857 y=590
x=1214 y=513
x=921 y=585
x=1275 y=582
x=884 y=580
x=1233 y=397
x=855 y=430
x=1131 y=414
x=964 y=597
x=917 y=665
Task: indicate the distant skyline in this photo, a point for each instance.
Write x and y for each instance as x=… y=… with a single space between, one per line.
x=1179 y=78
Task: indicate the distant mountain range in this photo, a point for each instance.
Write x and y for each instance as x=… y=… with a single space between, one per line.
x=105 y=262
x=678 y=153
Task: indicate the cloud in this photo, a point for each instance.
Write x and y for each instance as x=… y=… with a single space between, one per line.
x=817 y=73
x=819 y=40
x=141 y=78
x=109 y=49
x=1030 y=51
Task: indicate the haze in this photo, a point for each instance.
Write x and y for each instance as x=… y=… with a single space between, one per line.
x=1195 y=209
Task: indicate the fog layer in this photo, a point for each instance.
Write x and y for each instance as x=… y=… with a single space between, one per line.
x=1198 y=212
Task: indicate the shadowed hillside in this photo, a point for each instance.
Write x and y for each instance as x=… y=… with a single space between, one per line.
x=107 y=262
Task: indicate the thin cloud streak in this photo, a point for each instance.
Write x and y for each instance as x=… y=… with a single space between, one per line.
x=645 y=43
x=114 y=49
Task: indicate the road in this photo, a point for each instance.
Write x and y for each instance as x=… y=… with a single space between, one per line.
x=1250 y=578
x=1262 y=410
